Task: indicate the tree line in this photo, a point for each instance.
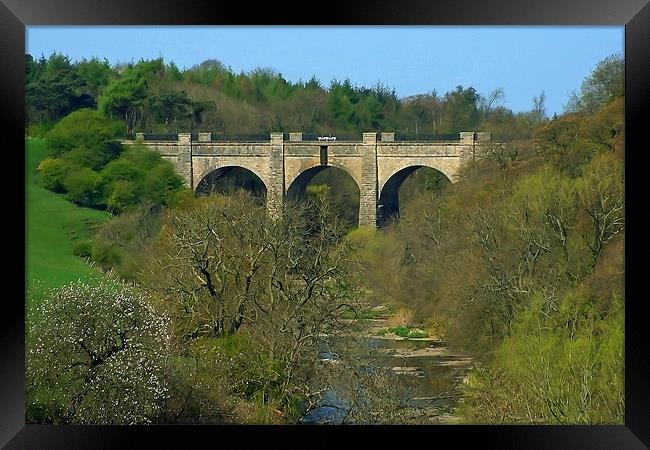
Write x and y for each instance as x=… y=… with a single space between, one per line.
x=155 y=96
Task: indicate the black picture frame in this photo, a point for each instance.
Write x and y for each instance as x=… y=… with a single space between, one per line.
x=15 y=15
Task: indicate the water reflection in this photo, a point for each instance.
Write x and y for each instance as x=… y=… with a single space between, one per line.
x=429 y=369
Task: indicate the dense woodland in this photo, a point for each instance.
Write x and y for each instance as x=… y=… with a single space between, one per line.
x=154 y=96
x=520 y=263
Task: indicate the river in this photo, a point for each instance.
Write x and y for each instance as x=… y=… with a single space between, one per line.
x=425 y=367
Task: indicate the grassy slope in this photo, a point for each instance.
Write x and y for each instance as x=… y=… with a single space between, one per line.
x=54 y=226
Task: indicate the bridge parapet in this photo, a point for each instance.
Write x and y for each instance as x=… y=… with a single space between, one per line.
x=378 y=162
x=462 y=137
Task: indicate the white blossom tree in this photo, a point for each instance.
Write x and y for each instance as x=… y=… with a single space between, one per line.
x=95 y=355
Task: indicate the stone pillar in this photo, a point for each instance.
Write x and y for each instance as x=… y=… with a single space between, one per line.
x=295 y=137
x=368 y=188
x=275 y=187
x=387 y=137
x=205 y=137
x=483 y=136
x=467 y=137
x=184 y=164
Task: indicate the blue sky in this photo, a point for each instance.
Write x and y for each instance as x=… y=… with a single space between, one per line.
x=521 y=60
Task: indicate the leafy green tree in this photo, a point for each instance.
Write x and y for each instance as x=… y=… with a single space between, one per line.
x=125 y=97
x=55 y=89
x=96 y=74
x=139 y=175
x=547 y=372
x=606 y=83
x=461 y=111
x=341 y=100
x=96 y=155
x=173 y=72
x=171 y=108
x=52 y=172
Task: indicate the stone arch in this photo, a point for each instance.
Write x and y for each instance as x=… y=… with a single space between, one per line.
x=296 y=191
x=312 y=168
x=388 y=195
x=240 y=176
x=202 y=166
x=300 y=182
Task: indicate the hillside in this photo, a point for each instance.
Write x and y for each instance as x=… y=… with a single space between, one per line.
x=54 y=227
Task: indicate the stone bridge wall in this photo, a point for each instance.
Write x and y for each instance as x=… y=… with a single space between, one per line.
x=374 y=164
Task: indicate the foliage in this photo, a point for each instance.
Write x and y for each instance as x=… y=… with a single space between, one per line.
x=125 y=96
x=92 y=168
x=139 y=176
x=155 y=96
x=54 y=88
x=461 y=110
x=122 y=243
x=554 y=371
x=95 y=355
x=224 y=268
x=606 y=83
x=85 y=128
x=520 y=264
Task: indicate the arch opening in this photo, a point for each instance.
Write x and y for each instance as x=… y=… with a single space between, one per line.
x=231 y=180
x=404 y=186
x=329 y=184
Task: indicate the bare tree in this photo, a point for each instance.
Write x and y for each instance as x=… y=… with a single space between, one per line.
x=224 y=267
x=539 y=108
x=491 y=99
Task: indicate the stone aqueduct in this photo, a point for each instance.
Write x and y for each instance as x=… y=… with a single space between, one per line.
x=378 y=163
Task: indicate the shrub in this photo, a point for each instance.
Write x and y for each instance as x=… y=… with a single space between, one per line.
x=39 y=130
x=140 y=175
x=401 y=331
x=123 y=194
x=83 y=249
x=416 y=334
x=52 y=172
x=84 y=127
x=83 y=187
x=554 y=371
x=95 y=155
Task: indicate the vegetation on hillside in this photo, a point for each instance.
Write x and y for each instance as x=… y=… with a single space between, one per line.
x=520 y=263
x=56 y=229
x=91 y=167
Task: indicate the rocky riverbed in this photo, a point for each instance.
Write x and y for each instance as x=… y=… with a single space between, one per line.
x=426 y=365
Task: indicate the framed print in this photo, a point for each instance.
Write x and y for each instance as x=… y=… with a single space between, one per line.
x=280 y=233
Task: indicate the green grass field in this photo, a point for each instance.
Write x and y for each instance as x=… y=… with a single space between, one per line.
x=54 y=226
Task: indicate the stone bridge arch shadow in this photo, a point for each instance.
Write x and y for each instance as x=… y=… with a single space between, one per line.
x=388 y=205
x=342 y=190
x=232 y=180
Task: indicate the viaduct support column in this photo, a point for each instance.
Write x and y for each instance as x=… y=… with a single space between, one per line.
x=368 y=188
x=184 y=164
x=275 y=188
